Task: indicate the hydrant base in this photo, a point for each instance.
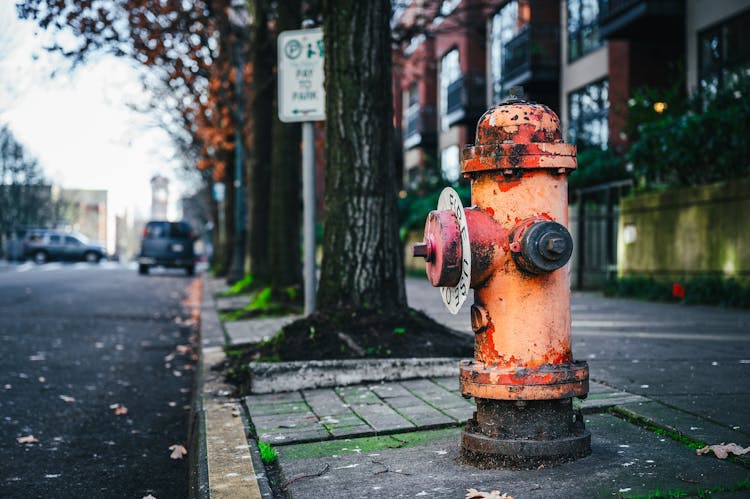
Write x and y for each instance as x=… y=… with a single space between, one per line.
x=524 y=434
x=485 y=452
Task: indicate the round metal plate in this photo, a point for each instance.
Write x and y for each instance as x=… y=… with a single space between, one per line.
x=454 y=297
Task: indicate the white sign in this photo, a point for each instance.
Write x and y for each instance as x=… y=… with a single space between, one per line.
x=301 y=93
x=456 y=296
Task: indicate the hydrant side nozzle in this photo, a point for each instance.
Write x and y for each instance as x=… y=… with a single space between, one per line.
x=542 y=247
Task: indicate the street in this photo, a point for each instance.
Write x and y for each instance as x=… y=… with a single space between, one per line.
x=97 y=368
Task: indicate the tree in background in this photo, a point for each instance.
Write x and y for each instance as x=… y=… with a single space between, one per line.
x=190 y=51
x=25 y=196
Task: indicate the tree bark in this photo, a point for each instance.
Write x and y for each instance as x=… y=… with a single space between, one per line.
x=362 y=264
x=285 y=204
x=261 y=108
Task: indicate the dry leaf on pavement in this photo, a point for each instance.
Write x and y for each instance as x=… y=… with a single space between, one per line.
x=723 y=450
x=495 y=494
x=178 y=451
x=119 y=409
x=28 y=439
x=148 y=497
x=67 y=398
x=183 y=349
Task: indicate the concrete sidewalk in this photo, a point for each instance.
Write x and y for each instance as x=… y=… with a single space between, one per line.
x=665 y=377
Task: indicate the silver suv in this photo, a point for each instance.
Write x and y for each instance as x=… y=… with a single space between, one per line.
x=42 y=245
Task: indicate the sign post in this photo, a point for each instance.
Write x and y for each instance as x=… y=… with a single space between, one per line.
x=302 y=98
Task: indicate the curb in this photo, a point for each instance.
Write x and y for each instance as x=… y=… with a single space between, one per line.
x=274 y=377
x=222 y=463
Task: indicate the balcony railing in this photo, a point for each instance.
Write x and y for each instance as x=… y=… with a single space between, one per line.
x=636 y=17
x=465 y=99
x=531 y=54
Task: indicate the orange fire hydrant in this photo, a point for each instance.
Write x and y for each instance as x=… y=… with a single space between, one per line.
x=512 y=246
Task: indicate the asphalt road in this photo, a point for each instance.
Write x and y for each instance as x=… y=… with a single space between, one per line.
x=94 y=364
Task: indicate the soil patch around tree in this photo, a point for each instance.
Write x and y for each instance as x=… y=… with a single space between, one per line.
x=354 y=335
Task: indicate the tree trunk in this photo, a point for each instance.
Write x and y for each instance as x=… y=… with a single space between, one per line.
x=284 y=229
x=229 y=221
x=261 y=108
x=362 y=265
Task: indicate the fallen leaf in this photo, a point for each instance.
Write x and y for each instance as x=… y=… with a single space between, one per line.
x=119 y=409
x=184 y=390
x=183 y=349
x=37 y=358
x=148 y=497
x=169 y=358
x=495 y=494
x=68 y=399
x=28 y=439
x=178 y=451
x=42 y=379
x=171 y=403
x=176 y=373
x=723 y=450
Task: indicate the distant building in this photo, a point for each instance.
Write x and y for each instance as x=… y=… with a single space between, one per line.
x=86 y=212
x=159 y=197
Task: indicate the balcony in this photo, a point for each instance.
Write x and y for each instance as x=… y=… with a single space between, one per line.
x=532 y=55
x=420 y=126
x=465 y=100
x=652 y=19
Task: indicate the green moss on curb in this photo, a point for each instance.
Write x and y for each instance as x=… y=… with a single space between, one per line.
x=366 y=444
x=656 y=428
x=267 y=453
x=742 y=485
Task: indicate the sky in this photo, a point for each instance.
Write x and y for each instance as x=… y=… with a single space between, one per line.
x=78 y=124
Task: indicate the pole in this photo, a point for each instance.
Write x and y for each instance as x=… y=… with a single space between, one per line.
x=237 y=270
x=308 y=198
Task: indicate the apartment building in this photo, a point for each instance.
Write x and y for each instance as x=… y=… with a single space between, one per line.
x=583 y=58
x=461 y=57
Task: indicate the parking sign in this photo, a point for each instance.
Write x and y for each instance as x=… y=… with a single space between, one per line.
x=301 y=92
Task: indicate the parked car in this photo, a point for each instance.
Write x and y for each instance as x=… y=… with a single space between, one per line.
x=42 y=245
x=167 y=244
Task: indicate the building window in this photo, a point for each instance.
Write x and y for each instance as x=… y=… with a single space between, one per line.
x=724 y=52
x=583 y=29
x=450 y=86
x=411 y=111
x=450 y=166
x=504 y=28
x=588 y=109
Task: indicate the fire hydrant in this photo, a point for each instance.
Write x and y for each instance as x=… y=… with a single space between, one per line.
x=512 y=246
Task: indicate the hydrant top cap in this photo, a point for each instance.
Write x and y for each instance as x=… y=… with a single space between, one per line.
x=518 y=122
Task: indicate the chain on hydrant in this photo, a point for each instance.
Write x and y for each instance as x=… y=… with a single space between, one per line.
x=512 y=246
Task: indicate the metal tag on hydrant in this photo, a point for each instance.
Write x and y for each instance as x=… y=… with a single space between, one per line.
x=454 y=297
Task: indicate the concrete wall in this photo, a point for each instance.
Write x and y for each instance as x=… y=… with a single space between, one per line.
x=700 y=15
x=688 y=231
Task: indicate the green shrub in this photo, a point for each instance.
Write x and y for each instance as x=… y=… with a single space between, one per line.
x=706 y=290
x=240 y=287
x=706 y=142
x=597 y=166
